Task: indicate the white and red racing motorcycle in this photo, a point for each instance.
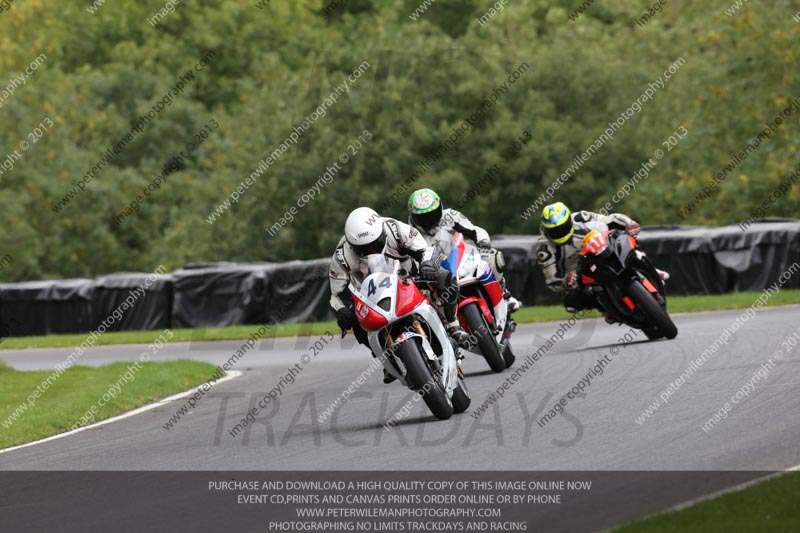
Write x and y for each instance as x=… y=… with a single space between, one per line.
x=406 y=333
x=482 y=310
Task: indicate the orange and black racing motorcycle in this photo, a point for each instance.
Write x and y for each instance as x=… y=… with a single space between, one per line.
x=624 y=283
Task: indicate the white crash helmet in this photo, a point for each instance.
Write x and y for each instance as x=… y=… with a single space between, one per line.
x=364 y=231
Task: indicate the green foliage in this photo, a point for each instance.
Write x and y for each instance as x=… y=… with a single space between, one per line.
x=274 y=66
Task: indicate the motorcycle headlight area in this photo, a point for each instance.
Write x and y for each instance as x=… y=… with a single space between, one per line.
x=385 y=304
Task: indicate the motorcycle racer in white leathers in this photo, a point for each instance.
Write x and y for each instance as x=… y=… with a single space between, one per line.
x=560 y=244
x=426 y=213
x=365 y=233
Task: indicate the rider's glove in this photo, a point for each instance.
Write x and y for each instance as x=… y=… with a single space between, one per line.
x=346 y=318
x=484 y=246
x=571 y=280
x=428 y=270
x=633 y=230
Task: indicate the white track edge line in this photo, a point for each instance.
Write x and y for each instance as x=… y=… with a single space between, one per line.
x=228 y=376
x=713 y=495
x=736 y=488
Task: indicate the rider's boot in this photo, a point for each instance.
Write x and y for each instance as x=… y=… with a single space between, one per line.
x=458 y=334
x=513 y=303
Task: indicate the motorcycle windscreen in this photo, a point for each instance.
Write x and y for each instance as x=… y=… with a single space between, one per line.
x=455 y=254
x=380 y=263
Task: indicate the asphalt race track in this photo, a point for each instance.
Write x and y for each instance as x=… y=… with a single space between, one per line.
x=597 y=432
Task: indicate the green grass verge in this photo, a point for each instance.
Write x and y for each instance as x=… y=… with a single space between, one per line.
x=79 y=388
x=677 y=304
x=767 y=506
x=545 y=313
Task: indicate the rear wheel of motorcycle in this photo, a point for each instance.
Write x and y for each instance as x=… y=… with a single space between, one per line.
x=419 y=376
x=486 y=342
x=652 y=310
x=461 y=399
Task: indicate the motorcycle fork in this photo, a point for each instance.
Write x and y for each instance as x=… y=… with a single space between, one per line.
x=419 y=329
x=390 y=345
x=390 y=342
x=610 y=303
x=424 y=335
x=659 y=295
x=388 y=339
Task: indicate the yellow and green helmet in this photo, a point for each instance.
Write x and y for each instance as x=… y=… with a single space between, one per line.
x=424 y=209
x=557 y=223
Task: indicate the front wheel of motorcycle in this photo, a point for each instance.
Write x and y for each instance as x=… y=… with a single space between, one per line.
x=653 y=333
x=479 y=328
x=653 y=312
x=508 y=355
x=461 y=399
x=419 y=376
